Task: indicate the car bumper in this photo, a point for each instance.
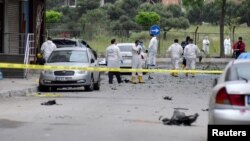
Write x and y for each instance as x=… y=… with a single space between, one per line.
x=229 y=117
x=71 y=81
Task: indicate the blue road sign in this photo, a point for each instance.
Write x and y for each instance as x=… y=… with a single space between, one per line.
x=155 y=30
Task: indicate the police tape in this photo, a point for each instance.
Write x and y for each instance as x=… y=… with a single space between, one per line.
x=100 y=69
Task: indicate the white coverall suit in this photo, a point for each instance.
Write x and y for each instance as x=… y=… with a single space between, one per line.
x=227 y=46
x=175 y=51
x=190 y=53
x=113 y=56
x=206 y=44
x=114 y=59
x=47 y=48
x=152 y=49
x=136 y=59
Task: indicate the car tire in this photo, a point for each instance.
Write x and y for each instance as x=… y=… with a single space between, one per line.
x=91 y=86
x=97 y=84
x=42 y=88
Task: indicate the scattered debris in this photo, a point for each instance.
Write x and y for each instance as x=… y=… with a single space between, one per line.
x=204 y=110
x=50 y=102
x=167 y=98
x=179 y=118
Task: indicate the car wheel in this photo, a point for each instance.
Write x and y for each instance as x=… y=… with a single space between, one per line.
x=97 y=84
x=42 y=88
x=90 y=87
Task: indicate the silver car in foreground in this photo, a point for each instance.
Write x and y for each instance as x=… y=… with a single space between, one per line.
x=230 y=100
x=71 y=56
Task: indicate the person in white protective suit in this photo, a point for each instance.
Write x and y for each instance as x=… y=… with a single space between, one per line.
x=152 y=50
x=175 y=51
x=227 y=46
x=47 y=47
x=137 y=62
x=190 y=53
x=113 y=58
x=206 y=44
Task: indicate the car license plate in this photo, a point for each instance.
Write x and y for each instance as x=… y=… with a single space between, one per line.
x=248 y=100
x=63 y=78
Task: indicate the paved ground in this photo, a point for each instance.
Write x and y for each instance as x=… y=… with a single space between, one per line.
x=115 y=113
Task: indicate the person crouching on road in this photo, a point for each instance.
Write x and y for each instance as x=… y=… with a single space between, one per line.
x=175 y=51
x=137 y=62
x=190 y=53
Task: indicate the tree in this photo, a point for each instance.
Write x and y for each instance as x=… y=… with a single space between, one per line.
x=222 y=19
x=126 y=24
x=113 y=11
x=244 y=12
x=170 y=16
x=52 y=17
x=147 y=19
x=51 y=4
x=93 y=21
x=84 y=5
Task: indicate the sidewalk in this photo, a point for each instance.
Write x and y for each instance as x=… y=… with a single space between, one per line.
x=20 y=87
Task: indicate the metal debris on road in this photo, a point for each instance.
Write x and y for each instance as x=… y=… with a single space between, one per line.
x=205 y=110
x=50 y=102
x=167 y=98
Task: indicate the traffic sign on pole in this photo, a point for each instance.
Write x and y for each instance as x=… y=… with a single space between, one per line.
x=155 y=30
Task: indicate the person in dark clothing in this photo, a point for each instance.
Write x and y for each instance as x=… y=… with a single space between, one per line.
x=184 y=44
x=239 y=47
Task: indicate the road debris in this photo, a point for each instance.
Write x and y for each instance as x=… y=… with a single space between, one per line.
x=50 y=102
x=205 y=110
x=179 y=118
x=167 y=98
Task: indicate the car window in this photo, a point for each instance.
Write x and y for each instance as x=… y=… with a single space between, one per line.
x=125 y=48
x=68 y=56
x=238 y=72
x=62 y=43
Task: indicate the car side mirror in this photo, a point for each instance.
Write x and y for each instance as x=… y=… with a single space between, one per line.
x=92 y=60
x=215 y=82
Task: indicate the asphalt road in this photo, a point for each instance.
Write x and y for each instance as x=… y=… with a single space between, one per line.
x=115 y=113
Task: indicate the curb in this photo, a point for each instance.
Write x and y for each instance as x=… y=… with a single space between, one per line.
x=22 y=92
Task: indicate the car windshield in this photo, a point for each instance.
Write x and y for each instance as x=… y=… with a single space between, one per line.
x=68 y=56
x=125 y=48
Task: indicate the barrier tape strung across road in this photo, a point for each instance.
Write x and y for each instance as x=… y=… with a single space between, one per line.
x=101 y=69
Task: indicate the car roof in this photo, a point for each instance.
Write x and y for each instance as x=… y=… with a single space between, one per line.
x=72 y=48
